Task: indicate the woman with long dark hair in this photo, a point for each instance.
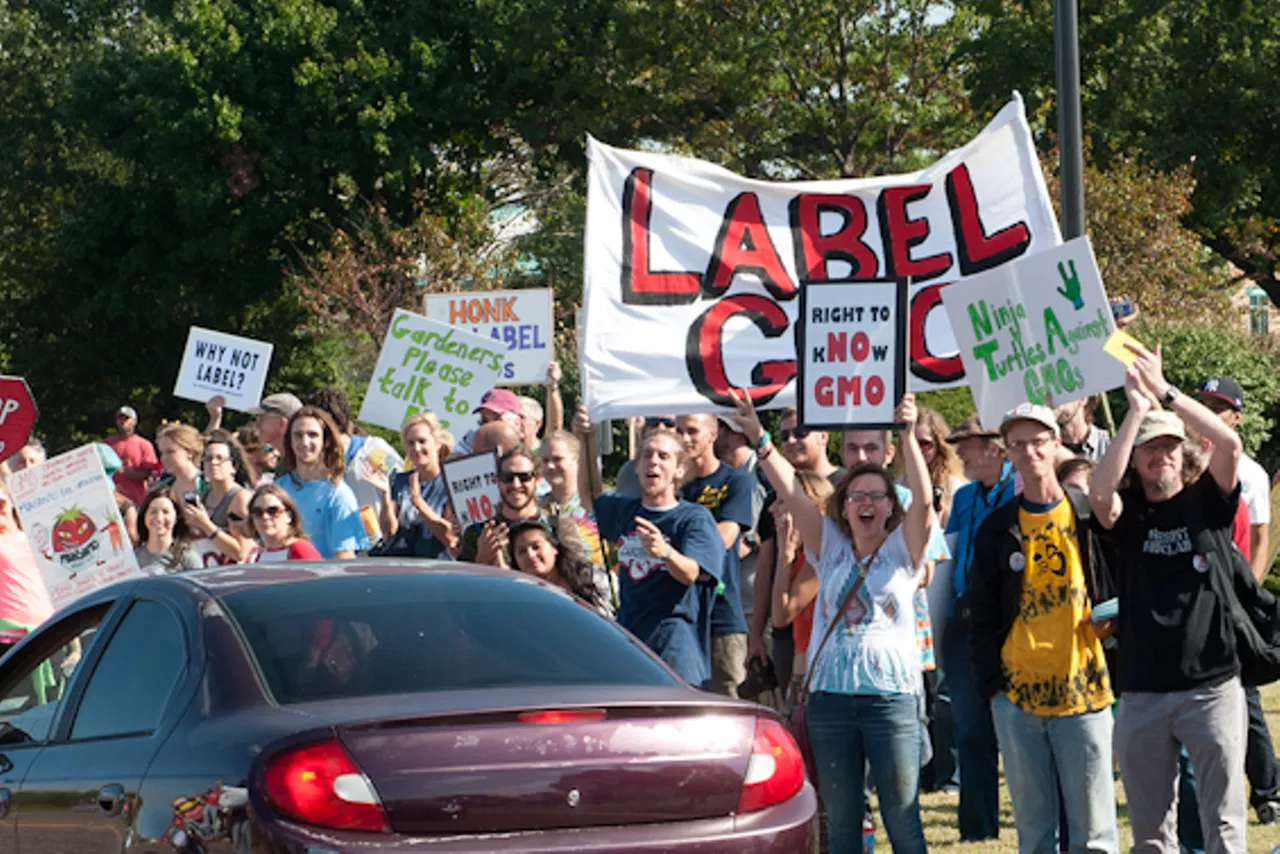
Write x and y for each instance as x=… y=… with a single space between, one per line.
x=166 y=540
x=550 y=549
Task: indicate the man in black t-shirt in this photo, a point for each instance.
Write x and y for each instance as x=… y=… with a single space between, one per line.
x=1177 y=672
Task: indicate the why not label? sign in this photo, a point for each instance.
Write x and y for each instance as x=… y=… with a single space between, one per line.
x=521 y=320
x=215 y=363
x=852 y=367
x=1035 y=330
x=68 y=509
x=473 y=487
x=17 y=415
x=427 y=366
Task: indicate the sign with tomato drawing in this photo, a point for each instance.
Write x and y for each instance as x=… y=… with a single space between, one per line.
x=17 y=415
x=68 y=509
x=851 y=349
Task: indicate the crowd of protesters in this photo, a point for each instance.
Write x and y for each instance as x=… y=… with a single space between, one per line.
x=754 y=565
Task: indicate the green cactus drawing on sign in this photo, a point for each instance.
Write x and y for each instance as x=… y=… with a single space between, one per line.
x=1071 y=285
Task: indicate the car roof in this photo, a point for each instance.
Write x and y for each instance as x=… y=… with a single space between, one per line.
x=223 y=581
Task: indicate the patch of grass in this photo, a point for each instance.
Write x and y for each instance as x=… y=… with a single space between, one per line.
x=941 y=831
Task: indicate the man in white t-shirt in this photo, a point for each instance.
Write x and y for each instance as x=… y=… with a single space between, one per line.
x=1224 y=397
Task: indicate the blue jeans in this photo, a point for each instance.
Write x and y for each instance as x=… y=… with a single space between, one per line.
x=1041 y=750
x=846 y=730
x=974 y=736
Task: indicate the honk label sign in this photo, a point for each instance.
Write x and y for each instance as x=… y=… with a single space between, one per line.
x=1035 y=331
x=521 y=321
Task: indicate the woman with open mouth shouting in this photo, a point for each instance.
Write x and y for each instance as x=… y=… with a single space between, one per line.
x=864 y=665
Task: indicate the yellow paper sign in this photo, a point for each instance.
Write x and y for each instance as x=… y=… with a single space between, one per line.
x=1116 y=346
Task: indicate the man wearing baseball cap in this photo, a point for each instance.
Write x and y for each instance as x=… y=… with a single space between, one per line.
x=1223 y=397
x=272 y=417
x=496 y=404
x=1037 y=572
x=139 y=462
x=1177 y=670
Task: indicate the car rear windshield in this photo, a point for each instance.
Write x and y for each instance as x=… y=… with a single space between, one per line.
x=433 y=631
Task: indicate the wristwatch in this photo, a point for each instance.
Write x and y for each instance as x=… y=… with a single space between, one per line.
x=1170 y=395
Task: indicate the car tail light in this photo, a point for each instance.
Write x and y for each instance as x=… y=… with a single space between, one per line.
x=566 y=716
x=320 y=784
x=776 y=770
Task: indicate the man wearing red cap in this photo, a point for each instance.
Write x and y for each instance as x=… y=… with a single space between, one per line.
x=497 y=404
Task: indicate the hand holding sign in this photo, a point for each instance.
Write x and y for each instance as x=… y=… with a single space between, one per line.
x=1149 y=367
x=907 y=414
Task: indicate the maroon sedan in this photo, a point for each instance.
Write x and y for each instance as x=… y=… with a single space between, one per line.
x=371 y=706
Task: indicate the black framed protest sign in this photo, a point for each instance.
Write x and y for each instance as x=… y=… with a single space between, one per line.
x=472 y=484
x=851 y=354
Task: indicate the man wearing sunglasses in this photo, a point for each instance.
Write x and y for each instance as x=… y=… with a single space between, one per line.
x=488 y=542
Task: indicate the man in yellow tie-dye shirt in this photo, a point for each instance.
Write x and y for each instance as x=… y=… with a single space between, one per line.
x=1035 y=578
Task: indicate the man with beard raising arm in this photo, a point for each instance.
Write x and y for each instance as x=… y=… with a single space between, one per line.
x=1178 y=675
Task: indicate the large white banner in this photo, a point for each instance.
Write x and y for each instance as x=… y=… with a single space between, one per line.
x=1035 y=330
x=692 y=272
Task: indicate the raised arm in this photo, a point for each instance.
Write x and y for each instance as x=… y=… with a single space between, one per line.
x=1103 y=495
x=1224 y=460
x=555 y=403
x=916 y=529
x=807 y=517
x=590 y=481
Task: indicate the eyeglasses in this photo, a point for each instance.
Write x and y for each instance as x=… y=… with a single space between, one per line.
x=513 y=476
x=797 y=433
x=924 y=444
x=235 y=517
x=270 y=512
x=652 y=423
x=1038 y=443
x=859 y=496
x=217 y=460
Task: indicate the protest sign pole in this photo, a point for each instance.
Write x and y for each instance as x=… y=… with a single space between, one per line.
x=1066 y=44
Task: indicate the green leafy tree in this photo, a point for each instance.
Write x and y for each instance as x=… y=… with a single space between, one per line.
x=1186 y=86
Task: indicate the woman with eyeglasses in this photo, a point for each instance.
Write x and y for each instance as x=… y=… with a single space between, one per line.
x=227 y=473
x=414 y=503
x=549 y=549
x=863 y=663
x=946 y=472
x=275 y=519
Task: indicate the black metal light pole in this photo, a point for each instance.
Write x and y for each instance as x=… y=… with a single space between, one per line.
x=1066 y=52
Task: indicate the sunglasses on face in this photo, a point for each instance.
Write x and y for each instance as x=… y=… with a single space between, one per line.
x=267 y=449
x=235 y=517
x=269 y=512
x=797 y=433
x=858 y=497
x=924 y=444
x=513 y=476
x=651 y=423
x=217 y=461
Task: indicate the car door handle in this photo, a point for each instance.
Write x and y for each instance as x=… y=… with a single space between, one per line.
x=6 y=797
x=111 y=799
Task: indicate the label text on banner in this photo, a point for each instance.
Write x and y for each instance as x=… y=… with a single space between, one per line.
x=692 y=272
x=68 y=509
x=472 y=483
x=520 y=320
x=215 y=363
x=427 y=366
x=852 y=354
x=1035 y=330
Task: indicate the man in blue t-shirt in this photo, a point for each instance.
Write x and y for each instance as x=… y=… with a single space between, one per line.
x=670 y=560
x=726 y=492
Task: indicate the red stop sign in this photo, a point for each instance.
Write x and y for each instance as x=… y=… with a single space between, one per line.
x=17 y=415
